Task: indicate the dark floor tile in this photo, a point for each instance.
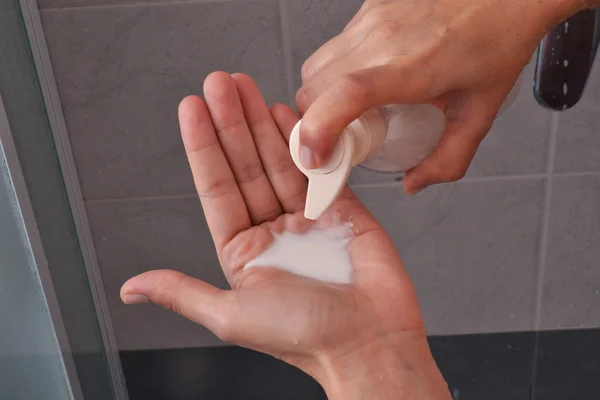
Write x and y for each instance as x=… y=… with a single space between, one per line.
x=568 y=365
x=486 y=366
x=476 y=367
x=218 y=373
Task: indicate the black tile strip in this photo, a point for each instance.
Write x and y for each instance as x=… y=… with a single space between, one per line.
x=486 y=366
x=220 y=373
x=568 y=365
x=477 y=367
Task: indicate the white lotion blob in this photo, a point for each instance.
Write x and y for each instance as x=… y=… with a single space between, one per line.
x=319 y=253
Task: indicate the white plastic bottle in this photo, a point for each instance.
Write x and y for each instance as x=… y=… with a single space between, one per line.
x=393 y=138
x=412 y=132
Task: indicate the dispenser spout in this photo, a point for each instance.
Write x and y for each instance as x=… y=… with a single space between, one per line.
x=326 y=182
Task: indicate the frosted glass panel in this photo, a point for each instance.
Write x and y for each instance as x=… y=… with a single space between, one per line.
x=30 y=361
x=31 y=365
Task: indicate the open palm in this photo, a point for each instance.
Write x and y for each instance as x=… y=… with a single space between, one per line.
x=249 y=188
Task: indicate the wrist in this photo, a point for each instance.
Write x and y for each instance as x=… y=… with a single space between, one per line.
x=381 y=369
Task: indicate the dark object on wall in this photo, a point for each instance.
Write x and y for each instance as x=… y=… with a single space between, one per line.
x=565 y=59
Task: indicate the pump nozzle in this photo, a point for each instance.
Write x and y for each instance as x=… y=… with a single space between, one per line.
x=326 y=182
x=357 y=142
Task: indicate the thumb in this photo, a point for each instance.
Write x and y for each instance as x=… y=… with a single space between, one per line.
x=343 y=101
x=187 y=296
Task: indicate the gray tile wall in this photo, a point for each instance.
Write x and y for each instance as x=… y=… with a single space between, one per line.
x=514 y=246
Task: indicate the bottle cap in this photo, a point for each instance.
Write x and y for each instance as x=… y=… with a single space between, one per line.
x=357 y=142
x=326 y=182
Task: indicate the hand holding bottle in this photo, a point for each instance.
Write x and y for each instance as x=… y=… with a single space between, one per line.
x=461 y=56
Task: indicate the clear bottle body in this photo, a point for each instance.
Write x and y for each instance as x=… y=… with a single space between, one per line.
x=412 y=133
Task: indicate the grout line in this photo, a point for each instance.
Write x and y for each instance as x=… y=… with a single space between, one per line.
x=475 y=179
x=355 y=186
x=287 y=51
x=543 y=249
x=575 y=174
x=140 y=4
x=142 y=198
x=498 y=178
x=545 y=222
x=375 y=185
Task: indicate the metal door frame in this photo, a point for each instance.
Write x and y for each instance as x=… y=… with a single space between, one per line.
x=7 y=147
x=39 y=50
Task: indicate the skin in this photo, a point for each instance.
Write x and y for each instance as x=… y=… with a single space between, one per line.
x=365 y=340
x=462 y=56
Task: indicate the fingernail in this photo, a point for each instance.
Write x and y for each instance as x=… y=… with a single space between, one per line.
x=307 y=158
x=135 y=299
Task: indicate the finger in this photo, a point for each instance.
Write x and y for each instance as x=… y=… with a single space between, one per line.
x=375 y=260
x=345 y=99
x=399 y=79
x=451 y=159
x=236 y=140
x=285 y=118
x=192 y=298
x=287 y=181
x=222 y=202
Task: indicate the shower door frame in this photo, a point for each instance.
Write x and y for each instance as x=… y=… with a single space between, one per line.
x=8 y=150
x=41 y=58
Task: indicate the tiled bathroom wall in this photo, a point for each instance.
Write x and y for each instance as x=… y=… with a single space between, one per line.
x=515 y=246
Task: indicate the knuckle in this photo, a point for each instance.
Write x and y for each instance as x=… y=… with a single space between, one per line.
x=279 y=166
x=447 y=169
x=311 y=134
x=294 y=201
x=262 y=217
x=304 y=98
x=166 y=296
x=376 y=13
x=355 y=87
x=386 y=29
x=249 y=172
x=307 y=70
x=451 y=172
x=216 y=189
